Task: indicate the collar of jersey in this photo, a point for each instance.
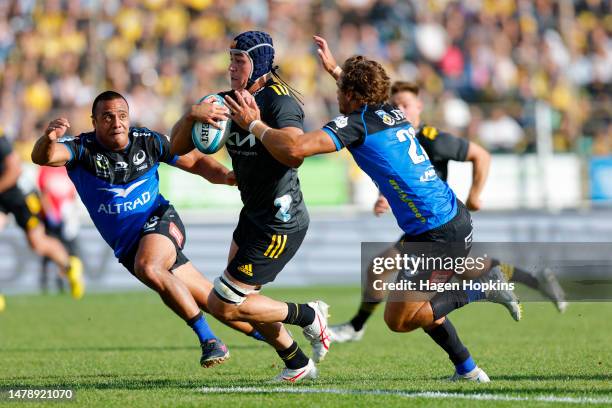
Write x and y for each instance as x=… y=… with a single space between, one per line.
x=101 y=146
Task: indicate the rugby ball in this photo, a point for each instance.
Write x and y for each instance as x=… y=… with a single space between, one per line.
x=206 y=138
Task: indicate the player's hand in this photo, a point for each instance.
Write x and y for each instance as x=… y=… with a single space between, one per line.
x=381 y=206
x=325 y=55
x=230 y=178
x=57 y=128
x=244 y=109
x=473 y=203
x=210 y=113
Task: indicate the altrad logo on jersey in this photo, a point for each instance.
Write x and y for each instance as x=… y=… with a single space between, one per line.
x=118 y=208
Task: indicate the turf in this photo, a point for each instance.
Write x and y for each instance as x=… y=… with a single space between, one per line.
x=127 y=349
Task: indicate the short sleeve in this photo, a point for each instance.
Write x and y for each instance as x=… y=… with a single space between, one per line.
x=284 y=111
x=346 y=131
x=162 y=147
x=444 y=146
x=75 y=147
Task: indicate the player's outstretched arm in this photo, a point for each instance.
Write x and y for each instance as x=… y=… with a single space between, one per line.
x=326 y=57
x=481 y=162
x=198 y=163
x=205 y=112
x=47 y=151
x=288 y=145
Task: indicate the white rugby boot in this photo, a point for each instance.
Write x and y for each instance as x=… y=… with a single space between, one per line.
x=306 y=373
x=550 y=287
x=476 y=375
x=506 y=298
x=318 y=332
x=345 y=332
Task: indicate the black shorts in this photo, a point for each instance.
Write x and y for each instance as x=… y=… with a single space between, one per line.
x=24 y=207
x=453 y=239
x=165 y=221
x=261 y=255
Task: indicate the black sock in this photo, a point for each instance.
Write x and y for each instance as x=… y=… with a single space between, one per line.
x=445 y=302
x=299 y=314
x=446 y=337
x=363 y=314
x=293 y=357
x=514 y=274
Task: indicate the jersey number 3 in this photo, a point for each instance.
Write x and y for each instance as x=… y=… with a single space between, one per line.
x=408 y=134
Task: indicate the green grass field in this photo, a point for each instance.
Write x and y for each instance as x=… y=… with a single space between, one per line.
x=127 y=349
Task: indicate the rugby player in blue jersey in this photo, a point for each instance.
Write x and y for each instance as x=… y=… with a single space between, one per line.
x=384 y=145
x=441 y=147
x=114 y=169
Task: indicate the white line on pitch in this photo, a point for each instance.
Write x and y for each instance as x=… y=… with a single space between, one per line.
x=406 y=394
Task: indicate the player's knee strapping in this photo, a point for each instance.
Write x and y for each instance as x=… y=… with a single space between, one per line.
x=229 y=292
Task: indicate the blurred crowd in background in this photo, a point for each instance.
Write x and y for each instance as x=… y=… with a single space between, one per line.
x=482 y=64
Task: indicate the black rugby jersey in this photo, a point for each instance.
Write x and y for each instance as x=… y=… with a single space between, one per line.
x=270 y=191
x=442 y=147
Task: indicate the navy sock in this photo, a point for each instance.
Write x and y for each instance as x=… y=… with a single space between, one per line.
x=446 y=337
x=293 y=357
x=363 y=314
x=201 y=328
x=445 y=302
x=299 y=314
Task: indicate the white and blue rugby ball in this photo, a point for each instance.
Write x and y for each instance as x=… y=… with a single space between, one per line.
x=206 y=138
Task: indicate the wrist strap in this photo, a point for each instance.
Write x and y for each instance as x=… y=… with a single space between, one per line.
x=337 y=71
x=253 y=124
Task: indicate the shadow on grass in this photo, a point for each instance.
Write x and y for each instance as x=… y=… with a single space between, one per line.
x=130 y=382
x=120 y=348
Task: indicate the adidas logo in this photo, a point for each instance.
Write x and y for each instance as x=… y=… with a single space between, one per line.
x=246 y=269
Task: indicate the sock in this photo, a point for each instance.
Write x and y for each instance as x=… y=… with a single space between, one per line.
x=363 y=314
x=445 y=302
x=299 y=314
x=514 y=274
x=446 y=337
x=293 y=357
x=256 y=335
x=201 y=328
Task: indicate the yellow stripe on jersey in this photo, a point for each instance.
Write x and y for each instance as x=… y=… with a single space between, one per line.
x=32 y=223
x=33 y=203
x=282 y=248
x=280 y=89
x=430 y=132
x=271 y=245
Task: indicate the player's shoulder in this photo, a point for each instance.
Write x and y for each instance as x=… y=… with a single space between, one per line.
x=428 y=132
x=383 y=116
x=276 y=93
x=145 y=136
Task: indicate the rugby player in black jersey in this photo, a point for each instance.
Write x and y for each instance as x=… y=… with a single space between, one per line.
x=441 y=148
x=274 y=219
x=26 y=210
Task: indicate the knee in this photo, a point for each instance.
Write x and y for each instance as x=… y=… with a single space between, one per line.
x=220 y=309
x=149 y=273
x=402 y=322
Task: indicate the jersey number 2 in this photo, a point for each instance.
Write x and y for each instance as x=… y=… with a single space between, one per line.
x=408 y=134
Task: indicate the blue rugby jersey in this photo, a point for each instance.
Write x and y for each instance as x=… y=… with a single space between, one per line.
x=384 y=145
x=119 y=189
